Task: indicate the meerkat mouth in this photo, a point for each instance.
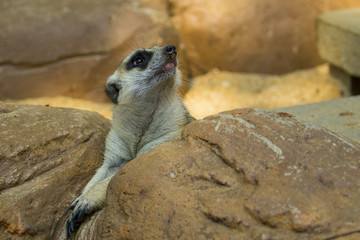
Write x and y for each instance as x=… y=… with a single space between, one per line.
x=169 y=66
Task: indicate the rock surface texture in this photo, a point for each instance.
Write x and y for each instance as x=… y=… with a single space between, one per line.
x=251 y=36
x=243 y=174
x=69 y=48
x=47 y=155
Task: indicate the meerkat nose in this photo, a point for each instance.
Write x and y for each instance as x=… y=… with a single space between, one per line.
x=170 y=50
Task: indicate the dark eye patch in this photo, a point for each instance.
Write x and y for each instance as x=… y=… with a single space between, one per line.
x=141 y=59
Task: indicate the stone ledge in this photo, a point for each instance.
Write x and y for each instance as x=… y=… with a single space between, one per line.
x=340 y=115
x=339 y=39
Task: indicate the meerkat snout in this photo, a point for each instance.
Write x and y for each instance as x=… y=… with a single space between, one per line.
x=171 y=51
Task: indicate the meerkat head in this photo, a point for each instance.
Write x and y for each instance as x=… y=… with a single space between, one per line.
x=145 y=72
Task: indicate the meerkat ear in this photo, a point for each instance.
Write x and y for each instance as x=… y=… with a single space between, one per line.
x=113 y=90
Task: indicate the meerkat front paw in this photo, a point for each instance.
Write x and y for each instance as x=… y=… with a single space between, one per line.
x=81 y=208
x=84 y=205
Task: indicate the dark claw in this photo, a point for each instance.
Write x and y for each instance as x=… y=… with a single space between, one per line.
x=75 y=221
x=69 y=227
x=80 y=215
x=72 y=206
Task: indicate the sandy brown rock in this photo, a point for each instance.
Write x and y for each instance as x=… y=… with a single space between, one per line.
x=47 y=155
x=251 y=36
x=243 y=174
x=70 y=47
x=219 y=91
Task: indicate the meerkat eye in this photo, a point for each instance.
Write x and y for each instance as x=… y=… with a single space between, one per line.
x=137 y=61
x=140 y=60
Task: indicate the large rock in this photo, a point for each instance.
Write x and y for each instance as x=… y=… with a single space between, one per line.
x=251 y=36
x=70 y=47
x=47 y=155
x=244 y=174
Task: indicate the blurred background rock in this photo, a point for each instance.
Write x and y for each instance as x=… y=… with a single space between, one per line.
x=234 y=53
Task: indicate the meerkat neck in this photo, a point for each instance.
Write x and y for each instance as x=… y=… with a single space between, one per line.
x=137 y=111
x=132 y=119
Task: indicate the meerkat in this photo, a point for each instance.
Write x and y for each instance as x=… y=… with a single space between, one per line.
x=147 y=112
